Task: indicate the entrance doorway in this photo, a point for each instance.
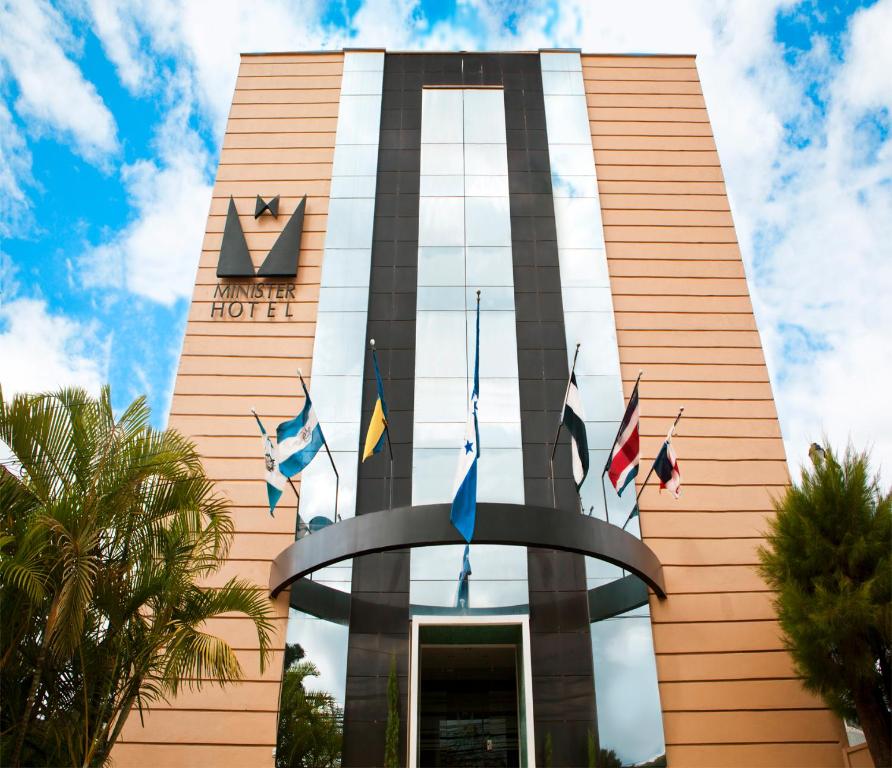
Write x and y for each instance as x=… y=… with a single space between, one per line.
x=469 y=701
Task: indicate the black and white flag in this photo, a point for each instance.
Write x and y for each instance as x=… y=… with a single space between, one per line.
x=574 y=421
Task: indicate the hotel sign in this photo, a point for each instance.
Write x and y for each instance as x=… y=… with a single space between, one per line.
x=256 y=300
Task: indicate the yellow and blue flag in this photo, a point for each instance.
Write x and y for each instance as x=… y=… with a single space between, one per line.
x=374 y=439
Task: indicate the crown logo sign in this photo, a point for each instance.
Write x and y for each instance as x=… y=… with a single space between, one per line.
x=281 y=261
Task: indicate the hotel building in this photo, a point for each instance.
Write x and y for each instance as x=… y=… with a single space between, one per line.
x=582 y=195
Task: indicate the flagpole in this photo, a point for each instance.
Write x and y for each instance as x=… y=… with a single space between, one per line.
x=298 y=523
x=325 y=443
x=668 y=438
x=387 y=433
x=560 y=425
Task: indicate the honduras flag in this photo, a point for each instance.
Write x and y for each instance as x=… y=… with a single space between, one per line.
x=464 y=505
x=299 y=439
x=275 y=480
x=462 y=598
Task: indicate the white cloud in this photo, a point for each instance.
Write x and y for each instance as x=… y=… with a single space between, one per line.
x=42 y=351
x=53 y=93
x=157 y=253
x=15 y=176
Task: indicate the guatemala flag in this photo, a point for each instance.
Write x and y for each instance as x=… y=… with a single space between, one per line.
x=464 y=505
x=275 y=480
x=299 y=439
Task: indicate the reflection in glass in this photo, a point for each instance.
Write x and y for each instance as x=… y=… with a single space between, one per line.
x=465 y=245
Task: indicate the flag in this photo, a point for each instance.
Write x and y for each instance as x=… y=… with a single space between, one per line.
x=622 y=466
x=464 y=505
x=462 y=599
x=299 y=439
x=666 y=468
x=574 y=421
x=374 y=439
x=275 y=480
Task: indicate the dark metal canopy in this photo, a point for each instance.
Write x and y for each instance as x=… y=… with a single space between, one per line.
x=429 y=525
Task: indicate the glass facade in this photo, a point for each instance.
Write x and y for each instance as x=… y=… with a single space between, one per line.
x=340 y=343
x=628 y=703
x=464 y=244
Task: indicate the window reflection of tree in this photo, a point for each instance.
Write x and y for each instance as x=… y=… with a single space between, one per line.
x=310 y=722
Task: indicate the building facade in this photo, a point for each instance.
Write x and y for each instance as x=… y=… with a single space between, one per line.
x=582 y=195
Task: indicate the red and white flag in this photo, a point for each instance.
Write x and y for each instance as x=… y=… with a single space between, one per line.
x=622 y=466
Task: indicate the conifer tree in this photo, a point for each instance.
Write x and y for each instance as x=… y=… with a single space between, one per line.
x=392 y=734
x=830 y=561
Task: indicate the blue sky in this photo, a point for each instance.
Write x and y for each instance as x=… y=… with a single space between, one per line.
x=111 y=120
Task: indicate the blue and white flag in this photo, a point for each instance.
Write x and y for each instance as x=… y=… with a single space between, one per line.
x=275 y=480
x=464 y=505
x=299 y=439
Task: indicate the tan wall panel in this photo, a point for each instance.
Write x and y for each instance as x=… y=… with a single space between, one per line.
x=280 y=124
x=657 y=202
x=695 y=371
x=706 y=524
x=286 y=140
x=685 y=87
x=658 y=218
x=743 y=727
x=739 y=694
x=714 y=578
x=725 y=666
x=706 y=551
x=277 y=156
x=316 y=204
x=634 y=61
x=197 y=727
x=635 y=127
x=743 y=606
x=314 y=79
x=599 y=71
x=719 y=449
x=693 y=355
x=174 y=756
x=749 y=755
x=286 y=96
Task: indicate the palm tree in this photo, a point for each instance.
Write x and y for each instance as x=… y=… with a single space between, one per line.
x=830 y=561
x=107 y=529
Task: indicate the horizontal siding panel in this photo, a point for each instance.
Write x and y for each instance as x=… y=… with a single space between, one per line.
x=646 y=100
x=249 y=124
x=633 y=127
x=696 y=372
x=647 y=114
x=671 y=286
x=749 y=755
x=315 y=77
x=284 y=140
x=714 y=578
x=697 y=355
x=706 y=551
x=710 y=498
x=316 y=204
x=300 y=350
x=688 y=321
x=599 y=71
x=711 y=390
x=742 y=606
x=724 y=666
x=308 y=267
x=657 y=218
x=174 y=756
x=178 y=727
x=717 y=448
x=306 y=171
x=717 y=637
x=659 y=202
x=738 y=695
x=277 y=156
x=634 y=61
x=683 y=188
x=744 y=727
x=659 y=173
x=707 y=524
x=312 y=188
x=287 y=96
x=254 y=111
x=595 y=86
x=289 y=68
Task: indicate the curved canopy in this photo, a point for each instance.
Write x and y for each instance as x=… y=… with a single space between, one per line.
x=429 y=525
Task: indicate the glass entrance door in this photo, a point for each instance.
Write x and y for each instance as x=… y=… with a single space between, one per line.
x=468 y=705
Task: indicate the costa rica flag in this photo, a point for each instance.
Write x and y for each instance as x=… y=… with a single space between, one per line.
x=622 y=466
